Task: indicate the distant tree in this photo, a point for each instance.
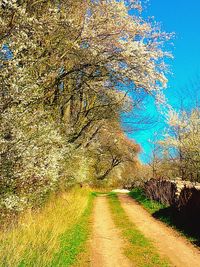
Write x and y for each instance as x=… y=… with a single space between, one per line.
x=114 y=149
x=184 y=138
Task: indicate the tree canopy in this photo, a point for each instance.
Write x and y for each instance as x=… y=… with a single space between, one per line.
x=67 y=68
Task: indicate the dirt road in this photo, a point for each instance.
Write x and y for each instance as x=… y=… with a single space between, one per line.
x=106 y=244
x=168 y=242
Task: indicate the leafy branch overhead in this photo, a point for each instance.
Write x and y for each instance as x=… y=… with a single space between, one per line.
x=68 y=70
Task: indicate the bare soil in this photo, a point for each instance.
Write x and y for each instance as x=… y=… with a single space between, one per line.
x=169 y=243
x=106 y=244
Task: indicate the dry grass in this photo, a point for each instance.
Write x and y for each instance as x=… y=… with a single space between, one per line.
x=36 y=239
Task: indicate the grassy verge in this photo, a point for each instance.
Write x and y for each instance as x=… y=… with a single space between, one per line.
x=150 y=205
x=73 y=241
x=138 y=248
x=168 y=215
x=54 y=236
x=153 y=207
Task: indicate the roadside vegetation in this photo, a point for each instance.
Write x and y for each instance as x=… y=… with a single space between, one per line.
x=52 y=236
x=167 y=215
x=138 y=248
x=150 y=205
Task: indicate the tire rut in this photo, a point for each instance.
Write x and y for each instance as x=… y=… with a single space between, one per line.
x=106 y=243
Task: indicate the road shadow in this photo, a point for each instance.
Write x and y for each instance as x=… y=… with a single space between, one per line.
x=188 y=225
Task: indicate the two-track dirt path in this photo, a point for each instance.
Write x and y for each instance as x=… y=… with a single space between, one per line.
x=168 y=242
x=106 y=242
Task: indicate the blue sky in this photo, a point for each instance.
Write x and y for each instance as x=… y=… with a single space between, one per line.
x=183 y=18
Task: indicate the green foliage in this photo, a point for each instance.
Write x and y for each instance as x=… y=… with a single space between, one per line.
x=139 y=249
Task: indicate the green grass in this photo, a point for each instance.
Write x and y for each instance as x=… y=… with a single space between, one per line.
x=74 y=242
x=138 y=248
x=150 y=205
x=167 y=215
x=98 y=193
x=57 y=230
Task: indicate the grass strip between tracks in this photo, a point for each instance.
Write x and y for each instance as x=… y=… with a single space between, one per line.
x=138 y=248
